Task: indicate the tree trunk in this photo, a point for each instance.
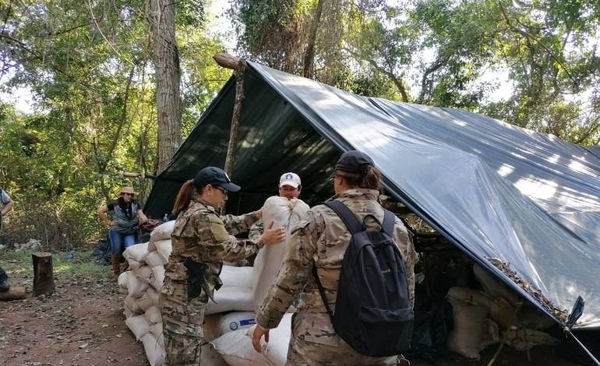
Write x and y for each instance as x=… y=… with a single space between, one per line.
x=43 y=274
x=14 y=293
x=309 y=56
x=168 y=75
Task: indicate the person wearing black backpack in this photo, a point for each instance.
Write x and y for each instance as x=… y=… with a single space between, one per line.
x=315 y=270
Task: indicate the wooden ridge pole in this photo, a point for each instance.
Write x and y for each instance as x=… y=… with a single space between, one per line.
x=238 y=66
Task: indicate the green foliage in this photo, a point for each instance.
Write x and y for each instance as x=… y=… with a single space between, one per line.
x=89 y=67
x=439 y=52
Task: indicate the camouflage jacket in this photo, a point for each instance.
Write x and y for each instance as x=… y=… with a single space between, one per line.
x=321 y=241
x=256 y=230
x=205 y=236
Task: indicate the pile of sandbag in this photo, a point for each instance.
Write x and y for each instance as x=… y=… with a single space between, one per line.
x=494 y=315
x=229 y=320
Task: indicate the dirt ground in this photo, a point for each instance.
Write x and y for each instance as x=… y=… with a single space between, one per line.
x=83 y=324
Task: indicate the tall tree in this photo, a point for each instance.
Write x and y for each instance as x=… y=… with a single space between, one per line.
x=168 y=78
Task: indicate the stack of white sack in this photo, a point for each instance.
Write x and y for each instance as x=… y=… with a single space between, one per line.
x=233 y=308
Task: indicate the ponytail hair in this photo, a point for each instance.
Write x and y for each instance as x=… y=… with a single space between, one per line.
x=184 y=196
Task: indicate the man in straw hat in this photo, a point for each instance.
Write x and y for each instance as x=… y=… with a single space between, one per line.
x=127 y=214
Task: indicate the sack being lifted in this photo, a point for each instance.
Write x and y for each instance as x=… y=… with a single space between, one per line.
x=282 y=212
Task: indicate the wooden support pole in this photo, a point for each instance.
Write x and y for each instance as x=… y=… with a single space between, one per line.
x=43 y=274
x=14 y=293
x=238 y=66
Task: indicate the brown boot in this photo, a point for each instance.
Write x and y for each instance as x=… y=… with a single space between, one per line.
x=126 y=265
x=115 y=259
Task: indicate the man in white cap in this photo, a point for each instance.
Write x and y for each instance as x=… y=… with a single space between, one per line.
x=290 y=187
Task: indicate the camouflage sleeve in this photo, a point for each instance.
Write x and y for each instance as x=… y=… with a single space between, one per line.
x=409 y=253
x=239 y=224
x=256 y=230
x=218 y=244
x=293 y=275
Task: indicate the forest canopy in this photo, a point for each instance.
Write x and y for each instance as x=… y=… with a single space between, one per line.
x=95 y=74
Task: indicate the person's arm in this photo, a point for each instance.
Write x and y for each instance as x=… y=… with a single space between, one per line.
x=7 y=207
x=103 y=215
x=219 y=244
x=256 y=230
x=141 y=216
x=240 y=224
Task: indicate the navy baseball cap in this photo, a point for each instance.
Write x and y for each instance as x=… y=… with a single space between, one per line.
x=215 y=177
x=354 y=161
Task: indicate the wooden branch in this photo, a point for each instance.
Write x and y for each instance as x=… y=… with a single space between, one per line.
x=14 y=293
x=228 y=61
x=235 y=119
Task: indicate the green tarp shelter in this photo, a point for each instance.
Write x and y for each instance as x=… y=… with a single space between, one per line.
x=495 y=190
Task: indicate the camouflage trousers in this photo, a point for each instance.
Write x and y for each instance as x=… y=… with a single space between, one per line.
x=314 y=343
x=182 y=323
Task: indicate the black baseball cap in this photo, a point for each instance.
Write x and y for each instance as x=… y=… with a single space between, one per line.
x=215 y=177
x=354 y=161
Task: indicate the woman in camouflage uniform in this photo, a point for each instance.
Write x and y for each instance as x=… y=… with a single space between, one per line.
x=201 y=240
x=321 y=242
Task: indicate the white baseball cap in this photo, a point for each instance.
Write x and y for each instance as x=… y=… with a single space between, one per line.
x=290 y=179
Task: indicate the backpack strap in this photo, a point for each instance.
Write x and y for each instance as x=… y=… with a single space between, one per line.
x=355 y=226
x=346 y=215
x=388 y=222
x=322 y=293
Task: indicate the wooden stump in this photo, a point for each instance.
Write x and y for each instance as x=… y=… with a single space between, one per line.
x=43 y=276
x=14 y=293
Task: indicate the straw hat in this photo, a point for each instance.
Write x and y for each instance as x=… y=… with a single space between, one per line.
x=127 y=190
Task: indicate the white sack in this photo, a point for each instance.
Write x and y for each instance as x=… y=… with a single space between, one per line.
x=122 y=281
x=283 y=213
x=230 y=299
x=164 y=248
x=154 y=352
x=153 y=315
x=144 y=273
x=153 y=295
x=154 y=259
x=135 y=286
x=138 y=325
x=159 y=277
x=279 y=338
x=236 y=346
x=128 y=312
x=133 y=264
x=236 y=320
x=236 y=349
x=132 y=303
x=466 y=335
x=137 y=252
x=146 y=300
x=162 y=231
x=233 y=276
x=157 y=331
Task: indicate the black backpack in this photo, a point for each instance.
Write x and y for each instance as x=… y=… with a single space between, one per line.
x=373 y=313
